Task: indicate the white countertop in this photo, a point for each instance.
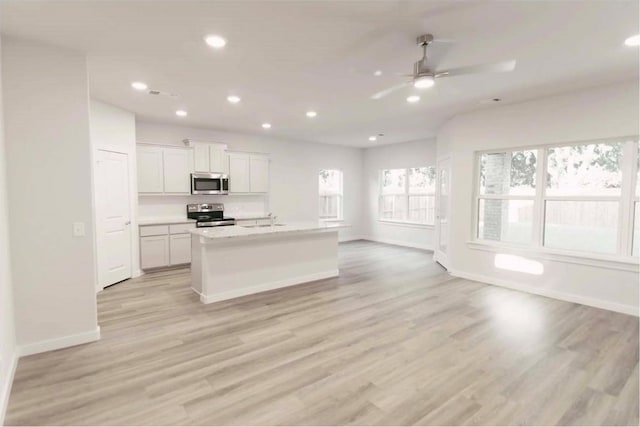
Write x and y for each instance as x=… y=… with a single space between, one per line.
x=165 y=220
x=238 y=231
x=242 y=217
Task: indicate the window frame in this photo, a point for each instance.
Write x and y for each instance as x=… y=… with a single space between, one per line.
x=405 y=194
x=626 y=200
x=633 y=170
x=479 y=196
x=338 y=194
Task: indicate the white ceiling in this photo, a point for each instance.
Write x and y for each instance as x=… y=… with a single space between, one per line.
x=286 y=57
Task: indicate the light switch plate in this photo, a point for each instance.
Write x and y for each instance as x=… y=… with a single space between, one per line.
x=78 y=229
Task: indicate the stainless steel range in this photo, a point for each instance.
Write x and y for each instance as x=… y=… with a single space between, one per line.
x=208 y=215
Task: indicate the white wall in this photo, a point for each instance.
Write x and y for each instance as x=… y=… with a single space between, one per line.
x=113 y=128
x=48 y=151
x=8 y=353
x=405 y=155
x=599 y=112
x=294 y=171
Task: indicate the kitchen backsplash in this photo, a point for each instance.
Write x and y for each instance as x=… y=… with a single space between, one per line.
x=172 y=206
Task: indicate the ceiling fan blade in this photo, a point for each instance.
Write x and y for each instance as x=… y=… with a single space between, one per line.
x=498 y=67
x=389 y=90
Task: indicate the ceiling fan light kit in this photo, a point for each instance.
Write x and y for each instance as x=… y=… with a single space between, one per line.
x=423 y=82
x=424 y=75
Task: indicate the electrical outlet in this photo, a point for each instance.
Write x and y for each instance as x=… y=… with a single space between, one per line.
x=78 y=229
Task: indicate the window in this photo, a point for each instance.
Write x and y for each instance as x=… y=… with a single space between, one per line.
x=507 y=192
x=408 y=195
x=582 y=197
x=573 y=197
x=330 y=191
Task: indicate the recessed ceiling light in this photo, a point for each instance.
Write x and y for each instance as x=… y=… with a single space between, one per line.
x=372 y=138
x=214 y=41
x=377 y=73
x=181 y=113
x=139 y=86
x=266 y=125
x=424 y=82
x=633 y=40
x=233 y=99
x=413 y=98
x=311 y=114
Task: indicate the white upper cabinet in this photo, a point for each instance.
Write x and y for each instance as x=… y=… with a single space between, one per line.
x=201 y=158
x=259 y=173
x=218 y=160
x=209 y=157
x=167 y=170
x=164 y=170
x=177 y=169
x=248 y=173
x=239 y=179
x=150 y=170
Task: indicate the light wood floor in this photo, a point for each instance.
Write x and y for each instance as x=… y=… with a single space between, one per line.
x=393 y=340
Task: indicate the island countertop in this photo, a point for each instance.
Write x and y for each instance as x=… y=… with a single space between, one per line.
x=239 y=232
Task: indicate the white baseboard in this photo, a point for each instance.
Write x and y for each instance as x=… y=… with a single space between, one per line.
x=222 y=296
x=563 y=296
x=5 y=389
x=58 y=343
x=137 y=273
x=350 y=238
x=399 y=243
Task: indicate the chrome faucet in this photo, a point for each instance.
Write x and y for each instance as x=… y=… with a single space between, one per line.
x=272 y=218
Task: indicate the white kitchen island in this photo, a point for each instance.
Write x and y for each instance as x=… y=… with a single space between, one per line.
x=229 y=262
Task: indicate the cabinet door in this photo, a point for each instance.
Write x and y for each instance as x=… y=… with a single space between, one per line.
x=177 y=168
x=218 y=160
x=150 y=170
x=201 y=158
x=154 y=251
x=239 y=181
x=180 y=248
x=259 y=174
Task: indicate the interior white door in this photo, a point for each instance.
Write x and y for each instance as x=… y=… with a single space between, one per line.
x=113 y=218
x=443 y=211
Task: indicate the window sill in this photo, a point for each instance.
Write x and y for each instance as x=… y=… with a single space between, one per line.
x=404 y=224
x=627 y=263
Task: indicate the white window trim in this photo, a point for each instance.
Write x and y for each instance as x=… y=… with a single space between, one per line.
x=626 y=263
x=405 y=194
x=622 y=260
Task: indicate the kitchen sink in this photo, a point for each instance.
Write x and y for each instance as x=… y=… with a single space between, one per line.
x=263 y=225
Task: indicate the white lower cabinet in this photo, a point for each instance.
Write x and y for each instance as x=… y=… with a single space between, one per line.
x=165 y=246
x=180 y=248
x=154 y=251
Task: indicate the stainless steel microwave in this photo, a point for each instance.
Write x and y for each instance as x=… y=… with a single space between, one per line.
x=209 y=183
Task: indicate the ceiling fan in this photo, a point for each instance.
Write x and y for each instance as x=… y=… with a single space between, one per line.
x=423 y=76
